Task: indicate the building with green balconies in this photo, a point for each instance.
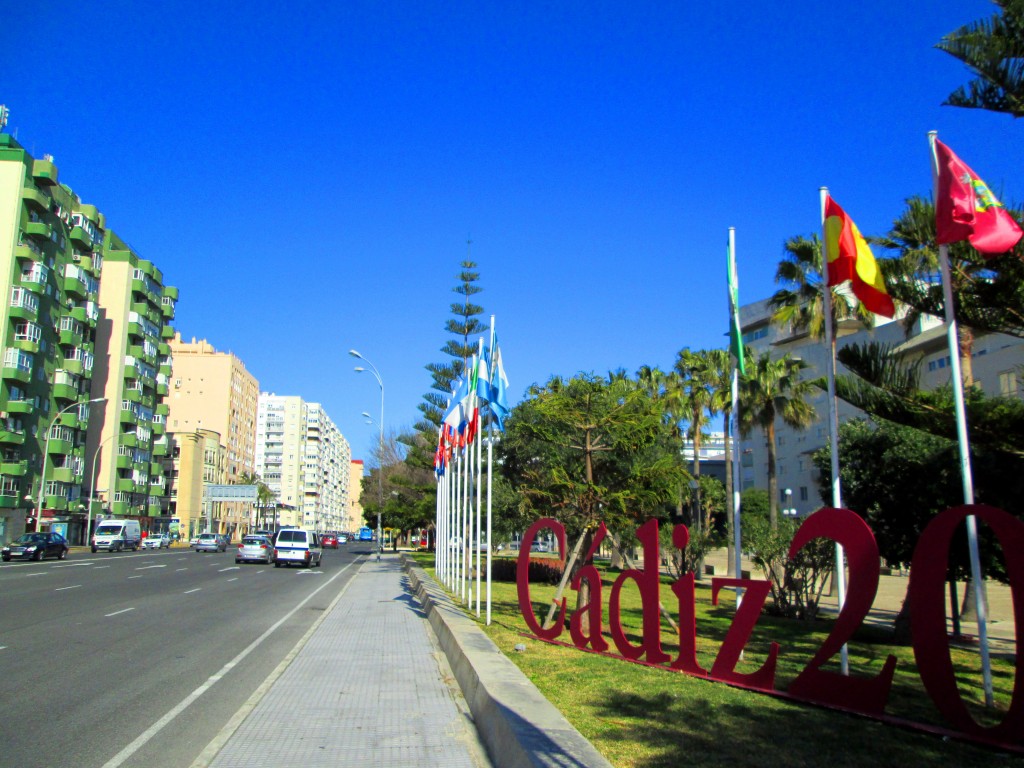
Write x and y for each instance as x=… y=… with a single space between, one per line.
x=136 y=309
x=50 y=266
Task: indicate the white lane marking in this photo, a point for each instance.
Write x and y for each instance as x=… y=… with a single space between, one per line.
x=147 y=567
x=135 y=577
x=234 y=579
x=190 y=591
x=232 y=568
x=185 y=703
x=72 y=565
x=101 y=566
x=61 y=589
x=311 y=573
x=115 y=613
x=3 y=647
x=180 y=569
x=40 y=573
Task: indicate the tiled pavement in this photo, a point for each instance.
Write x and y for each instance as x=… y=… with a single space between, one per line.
x=391 y=702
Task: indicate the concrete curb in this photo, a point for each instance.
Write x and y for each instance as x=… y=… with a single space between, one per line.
x=518 y=726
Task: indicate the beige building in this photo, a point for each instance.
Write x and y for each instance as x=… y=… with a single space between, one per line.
x=196 y=459
x=212 y=391
x=354 y=519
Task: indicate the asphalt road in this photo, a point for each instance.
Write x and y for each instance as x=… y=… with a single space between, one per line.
x=139 y=659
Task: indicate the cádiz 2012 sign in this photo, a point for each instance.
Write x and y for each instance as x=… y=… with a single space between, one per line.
x=857 y=693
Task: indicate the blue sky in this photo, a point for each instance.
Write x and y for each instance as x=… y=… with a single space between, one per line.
x=308 y=174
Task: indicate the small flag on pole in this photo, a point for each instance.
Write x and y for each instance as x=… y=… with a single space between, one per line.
x=735 y=331
x=966 y=209
x=850 y=258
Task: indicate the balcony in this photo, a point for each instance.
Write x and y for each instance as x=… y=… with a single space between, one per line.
x=160 y=448
x=39 y=230
x=71 y=420
x=28 y=251
x=71 y=337
x=55 y=502
x=163 y=409
x=81 y=236
x=16 y=373
x=14 y=468
x=12 y=436
x=74 y=286
x=35 y=198
x=124 y=485
x=20 y=406
x=128 y=440
x=128 y=417
x=123 y=462
x=65 y=391
x=59 y=447
x=44 y=172
x=63 y=475
x=167 y=332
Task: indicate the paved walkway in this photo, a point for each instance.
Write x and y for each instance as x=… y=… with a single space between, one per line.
x=368 y=688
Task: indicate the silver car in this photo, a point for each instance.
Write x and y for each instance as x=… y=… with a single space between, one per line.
x=210 y=542
x=257 y=549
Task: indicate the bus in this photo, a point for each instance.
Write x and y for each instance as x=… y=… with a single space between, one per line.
x=366 y=534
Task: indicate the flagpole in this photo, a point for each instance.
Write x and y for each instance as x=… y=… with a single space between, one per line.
x=967 y=480
x=833 y=421
x=490 y=468
x=735 y=416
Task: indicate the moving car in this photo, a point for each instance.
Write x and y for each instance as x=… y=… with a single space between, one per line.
x=157 y=541
x=342 y=538
x=299 y=546
x=329 y=541
x=36 y=546
x=211 y=542
x=115 y=535
x=255 y=549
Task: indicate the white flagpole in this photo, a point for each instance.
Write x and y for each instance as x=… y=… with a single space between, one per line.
x=490 y=445
x=833 y=420
x=479 y=457
x=967 y=480
x=735 y=416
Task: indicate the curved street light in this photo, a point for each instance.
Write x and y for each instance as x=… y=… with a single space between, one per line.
x=46 y=454
x=380 y=461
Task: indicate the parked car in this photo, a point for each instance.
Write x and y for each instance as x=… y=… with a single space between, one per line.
x=193 y=541
x=255 y=549
x=157 y=541
x=299 y=546
x=211 y=542
x=329 y=541
x=36 y=546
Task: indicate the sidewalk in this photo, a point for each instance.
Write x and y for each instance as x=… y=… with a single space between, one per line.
x=368 y=688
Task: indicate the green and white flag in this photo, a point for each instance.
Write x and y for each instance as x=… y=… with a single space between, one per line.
x=735 y=332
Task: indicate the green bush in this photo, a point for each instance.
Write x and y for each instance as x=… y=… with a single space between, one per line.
x=542 y=570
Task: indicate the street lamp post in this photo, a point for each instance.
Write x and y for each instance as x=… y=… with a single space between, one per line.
x=46 y=453
x=92 y=488
x=380 y=458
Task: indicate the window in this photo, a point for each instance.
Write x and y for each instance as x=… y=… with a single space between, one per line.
x=803 y=493
x=1008 y=384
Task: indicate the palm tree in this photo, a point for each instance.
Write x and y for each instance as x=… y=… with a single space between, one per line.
x=993 y=48
x=773 y=389
x=698 y=374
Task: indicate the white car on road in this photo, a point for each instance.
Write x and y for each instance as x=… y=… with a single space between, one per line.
x=157 y=541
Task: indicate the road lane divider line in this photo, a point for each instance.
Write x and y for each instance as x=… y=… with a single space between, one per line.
x=135 y=577
x=116 y=613
x=235 y=578
x=147 y=567
x=73 y=565
x=61 y=589
x=214 y=747
x=232 y=568
x=190 y=591
x=143 y=738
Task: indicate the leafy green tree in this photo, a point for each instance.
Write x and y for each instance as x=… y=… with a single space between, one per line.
x=588 y=450
x=773 y=389
x=993 y=49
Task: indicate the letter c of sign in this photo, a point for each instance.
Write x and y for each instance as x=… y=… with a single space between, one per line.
x=523 y=578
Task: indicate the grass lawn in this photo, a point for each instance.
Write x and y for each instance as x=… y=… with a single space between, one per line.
x=641 y=717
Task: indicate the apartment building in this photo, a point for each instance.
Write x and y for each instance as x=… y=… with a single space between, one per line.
x=63 y=349
x=213 y=392
x=130 y=374
x=354 y=516
x=996 y=363
x=326 y=474
x=196 y=459
x=303 y=459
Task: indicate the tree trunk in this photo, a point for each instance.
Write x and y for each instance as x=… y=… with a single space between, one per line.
x=773 y=481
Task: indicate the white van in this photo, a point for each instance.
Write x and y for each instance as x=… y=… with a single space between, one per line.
x=116 y=535
x=297 y=545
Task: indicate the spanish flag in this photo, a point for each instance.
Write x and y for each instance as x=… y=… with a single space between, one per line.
x=849 y=258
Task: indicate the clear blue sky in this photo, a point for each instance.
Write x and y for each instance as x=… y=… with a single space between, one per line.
x=308 y=174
